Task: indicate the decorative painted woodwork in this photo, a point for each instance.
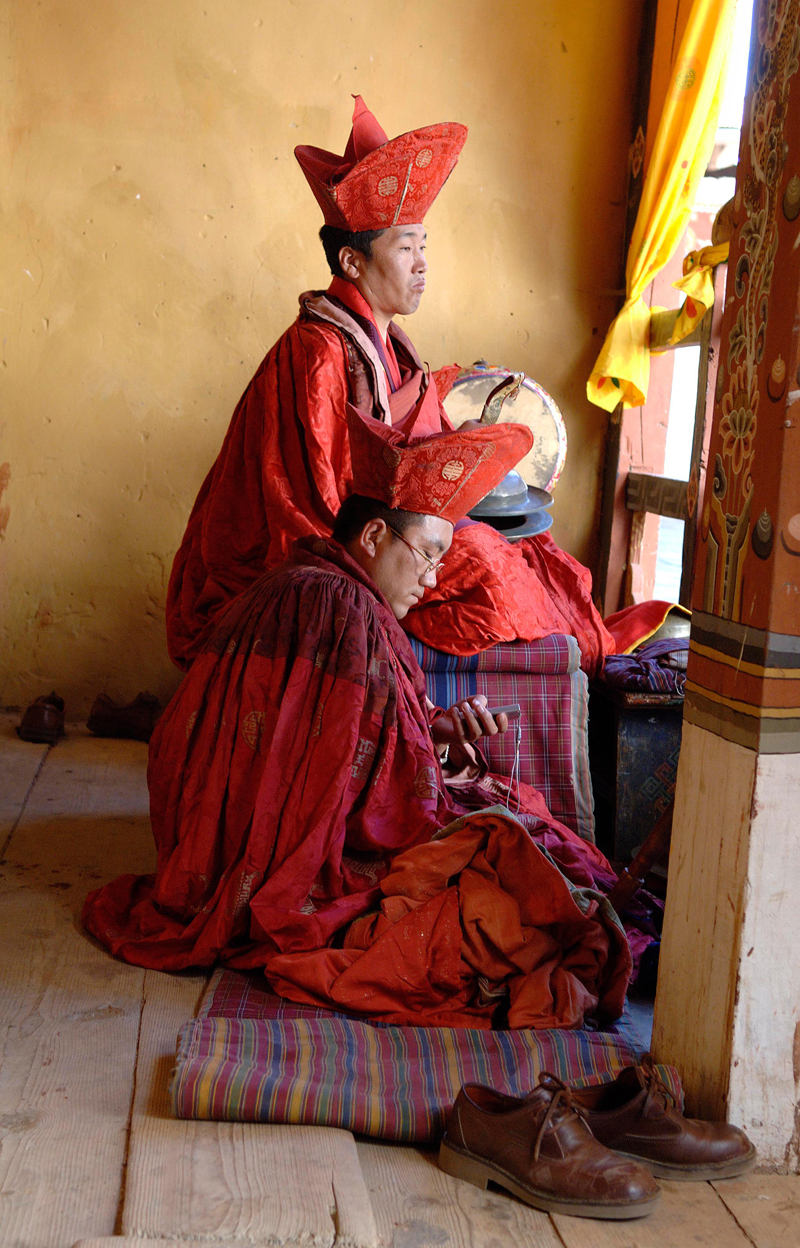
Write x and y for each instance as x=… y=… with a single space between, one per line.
x=728 y=1011
x=746 y=591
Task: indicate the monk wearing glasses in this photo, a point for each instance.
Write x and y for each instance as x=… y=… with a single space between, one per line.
x=316 y=818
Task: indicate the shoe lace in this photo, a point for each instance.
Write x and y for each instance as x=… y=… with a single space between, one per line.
x=656 y=1088
x=561 y=1099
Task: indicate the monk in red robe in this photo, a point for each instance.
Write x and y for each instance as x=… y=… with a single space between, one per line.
x=285 y=465
x=299 y=804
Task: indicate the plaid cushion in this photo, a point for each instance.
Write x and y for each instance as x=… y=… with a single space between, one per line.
x=250 y=1057
x=549 y=656
x=545 y=678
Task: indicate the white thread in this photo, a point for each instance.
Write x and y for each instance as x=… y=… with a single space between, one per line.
x=515 y=767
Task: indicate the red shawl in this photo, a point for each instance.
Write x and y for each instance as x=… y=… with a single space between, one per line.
x=284 y=469
x=294 y=793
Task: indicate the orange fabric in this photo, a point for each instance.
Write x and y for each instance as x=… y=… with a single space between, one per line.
x=445 y=378
x=633 y=625
x=485 y=902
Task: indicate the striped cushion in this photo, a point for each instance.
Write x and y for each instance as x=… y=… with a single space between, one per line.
x=549 y=656
x=250 y=1057
x=545 y=678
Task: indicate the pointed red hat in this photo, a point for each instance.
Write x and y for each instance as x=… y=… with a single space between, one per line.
x=443 y=475
x=379 y=181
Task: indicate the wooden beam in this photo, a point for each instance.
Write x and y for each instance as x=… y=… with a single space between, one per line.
x=704 y=408
x=660 y=496
x=707 y=871
x=728 y=1007
x=613 y=545
x=611 y=551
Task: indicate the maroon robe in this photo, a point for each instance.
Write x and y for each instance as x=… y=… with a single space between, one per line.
x=298 y=807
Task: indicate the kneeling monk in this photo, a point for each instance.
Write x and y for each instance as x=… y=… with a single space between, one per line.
x=298 y=800
x=284 y=467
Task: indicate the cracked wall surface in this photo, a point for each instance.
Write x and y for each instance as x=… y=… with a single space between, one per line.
x=156 y=232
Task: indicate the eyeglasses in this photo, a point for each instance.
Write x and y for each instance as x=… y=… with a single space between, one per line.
x=431 y=566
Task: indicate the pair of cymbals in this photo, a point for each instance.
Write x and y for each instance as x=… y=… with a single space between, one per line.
x=515 y=509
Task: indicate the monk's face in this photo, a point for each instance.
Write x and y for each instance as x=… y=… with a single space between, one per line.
x=403 y=565
x=392 y=280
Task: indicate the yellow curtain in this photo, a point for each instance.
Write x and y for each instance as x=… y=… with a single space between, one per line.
x=697 y=284
x=682 y=147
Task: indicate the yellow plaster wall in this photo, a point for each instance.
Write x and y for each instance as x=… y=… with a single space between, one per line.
x=156 y=232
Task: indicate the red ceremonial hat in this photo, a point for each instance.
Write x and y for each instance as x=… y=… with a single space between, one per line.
x=381 y=182
x=443 y=475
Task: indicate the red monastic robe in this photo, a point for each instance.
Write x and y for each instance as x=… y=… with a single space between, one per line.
x=284 y=469
x=303 y=826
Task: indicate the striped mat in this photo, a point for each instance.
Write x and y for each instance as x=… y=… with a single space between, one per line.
x=250 y=1057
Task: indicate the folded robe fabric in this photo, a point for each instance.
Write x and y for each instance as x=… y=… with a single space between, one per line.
x=484 y=905
x=295 y=792
x=284 y=469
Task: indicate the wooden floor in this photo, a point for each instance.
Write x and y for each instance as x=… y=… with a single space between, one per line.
x=88 y=1152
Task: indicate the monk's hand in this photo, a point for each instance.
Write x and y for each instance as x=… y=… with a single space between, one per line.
x=467 y=721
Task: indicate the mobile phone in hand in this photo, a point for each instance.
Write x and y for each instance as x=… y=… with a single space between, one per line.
x=513 y=710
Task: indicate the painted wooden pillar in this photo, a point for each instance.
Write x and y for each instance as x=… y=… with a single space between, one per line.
x=728 y=1005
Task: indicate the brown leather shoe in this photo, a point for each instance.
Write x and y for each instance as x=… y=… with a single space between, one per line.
x=43 y=722
x=134 y=722
x=637 y=1118
x=541 y=1149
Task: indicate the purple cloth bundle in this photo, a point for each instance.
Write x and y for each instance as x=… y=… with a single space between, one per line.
x=656 y=667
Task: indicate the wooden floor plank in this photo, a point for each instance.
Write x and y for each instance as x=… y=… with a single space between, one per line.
x=766 y=1206
x=129 y=1241
x=19 y=762
x=232 y=1182
x=69 y=1014
x=416 y=1205
x=688 y=1215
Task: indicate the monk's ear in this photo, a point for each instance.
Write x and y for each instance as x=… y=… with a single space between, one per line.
x=351 y=262
x=371 y=537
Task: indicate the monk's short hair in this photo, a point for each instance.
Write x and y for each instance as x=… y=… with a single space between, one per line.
x=357 y=511
x=334 y=239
